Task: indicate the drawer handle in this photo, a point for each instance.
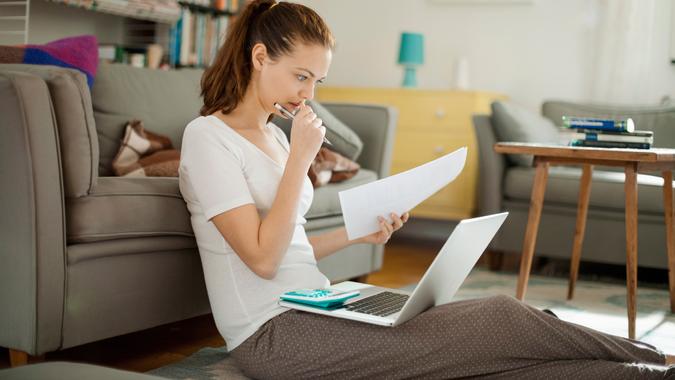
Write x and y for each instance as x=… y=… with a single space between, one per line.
x=440 y=113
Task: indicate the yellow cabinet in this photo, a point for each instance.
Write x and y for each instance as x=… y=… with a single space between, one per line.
x=430 y=124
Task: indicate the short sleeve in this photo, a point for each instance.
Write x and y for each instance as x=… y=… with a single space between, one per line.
x=214 y=173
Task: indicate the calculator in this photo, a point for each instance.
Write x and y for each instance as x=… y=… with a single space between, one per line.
x=323 y=298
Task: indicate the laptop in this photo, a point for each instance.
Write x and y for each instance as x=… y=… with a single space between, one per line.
x=392 y=307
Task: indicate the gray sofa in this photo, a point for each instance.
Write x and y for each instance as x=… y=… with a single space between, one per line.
x=505 y=185
x=86 y=256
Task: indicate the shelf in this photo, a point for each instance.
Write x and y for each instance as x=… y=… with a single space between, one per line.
x=162 y=11
x=14 y=15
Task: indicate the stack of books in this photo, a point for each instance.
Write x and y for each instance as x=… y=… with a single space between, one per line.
x=606 y=133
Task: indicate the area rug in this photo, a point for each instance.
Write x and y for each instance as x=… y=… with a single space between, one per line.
x=597 y=305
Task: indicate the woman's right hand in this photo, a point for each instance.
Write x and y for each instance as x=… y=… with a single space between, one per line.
x=307 y=134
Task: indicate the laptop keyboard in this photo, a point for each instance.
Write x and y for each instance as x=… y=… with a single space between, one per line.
x=381 y=304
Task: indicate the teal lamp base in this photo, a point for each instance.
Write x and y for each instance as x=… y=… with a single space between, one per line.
x=409 y=78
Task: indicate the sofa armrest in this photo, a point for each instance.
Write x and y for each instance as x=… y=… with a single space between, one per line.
x=491 y=167
x=376 y=126
x=32 y=236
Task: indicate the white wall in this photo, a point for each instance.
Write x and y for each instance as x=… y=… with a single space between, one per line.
x=530 y=52
x=662 y=79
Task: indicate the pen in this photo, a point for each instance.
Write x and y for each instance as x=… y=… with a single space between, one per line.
x=289 y=115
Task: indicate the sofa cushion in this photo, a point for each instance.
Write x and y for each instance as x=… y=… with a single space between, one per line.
x=123 y=207
x=326 y=201
x=166 y=101
x=343 y=139
x=659 y=119
x=78 y=145
x=515 y=123
x=607 y=188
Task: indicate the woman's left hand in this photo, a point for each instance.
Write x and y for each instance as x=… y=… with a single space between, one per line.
x=386 y=229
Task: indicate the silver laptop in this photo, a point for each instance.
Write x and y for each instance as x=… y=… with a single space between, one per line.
x=391 y=307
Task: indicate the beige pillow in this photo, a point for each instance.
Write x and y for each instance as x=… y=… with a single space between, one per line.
x=145 y=154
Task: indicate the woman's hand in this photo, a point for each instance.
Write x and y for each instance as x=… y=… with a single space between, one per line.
x=307 y=134
x=386 y=229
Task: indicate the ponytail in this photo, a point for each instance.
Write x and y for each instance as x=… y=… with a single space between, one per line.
x=279 y=26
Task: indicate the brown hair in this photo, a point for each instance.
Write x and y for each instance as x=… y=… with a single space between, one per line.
x=278 y=26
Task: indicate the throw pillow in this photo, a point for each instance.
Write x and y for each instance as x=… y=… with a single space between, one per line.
x=344 y=140
x=329 y=166
x=515 y=123
x=145 y=154
x=80 y=52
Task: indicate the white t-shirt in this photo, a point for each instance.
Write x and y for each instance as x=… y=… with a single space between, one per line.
x=220 y=170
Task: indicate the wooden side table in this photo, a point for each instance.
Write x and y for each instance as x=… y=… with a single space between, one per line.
x=633 y=161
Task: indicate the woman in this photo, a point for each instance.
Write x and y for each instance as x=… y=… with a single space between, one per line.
x=247 y=189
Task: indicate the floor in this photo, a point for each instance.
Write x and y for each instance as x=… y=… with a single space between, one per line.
x=405 y=262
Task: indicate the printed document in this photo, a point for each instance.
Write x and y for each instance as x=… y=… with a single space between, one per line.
x=398 y=193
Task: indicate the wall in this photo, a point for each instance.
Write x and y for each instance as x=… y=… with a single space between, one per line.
x=530 y=52
x=661 y=81
x=51 y=21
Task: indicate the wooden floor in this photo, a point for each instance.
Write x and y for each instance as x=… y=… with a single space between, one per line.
x=404 y=264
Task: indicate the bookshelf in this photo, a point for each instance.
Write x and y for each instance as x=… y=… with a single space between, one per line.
x=14 y=16
x=163 y=33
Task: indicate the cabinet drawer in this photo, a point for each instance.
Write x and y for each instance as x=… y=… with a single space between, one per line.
x=434 y=112
x=420 y=147
x=449 y=127
x=456 y=198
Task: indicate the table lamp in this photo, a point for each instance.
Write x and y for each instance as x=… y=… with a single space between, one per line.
x=410 y=55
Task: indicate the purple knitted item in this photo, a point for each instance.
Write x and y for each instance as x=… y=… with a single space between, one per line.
x=80 y=52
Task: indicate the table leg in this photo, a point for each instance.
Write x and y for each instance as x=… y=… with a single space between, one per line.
x=582 y=211
x=17 y=358
x=536 y=202
x=670 y=236
x=631 y=244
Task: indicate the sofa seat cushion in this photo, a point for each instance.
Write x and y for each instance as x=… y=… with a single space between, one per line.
x=122 y=207
x=607 y=188
x=326 y=201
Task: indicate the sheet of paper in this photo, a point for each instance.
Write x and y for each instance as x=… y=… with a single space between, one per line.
x=399 y=193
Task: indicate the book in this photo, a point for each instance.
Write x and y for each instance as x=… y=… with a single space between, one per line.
x=634 y=137
x=610 y=144
x=626 y=125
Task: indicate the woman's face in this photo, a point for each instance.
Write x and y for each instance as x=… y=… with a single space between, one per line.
x=292 y=78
